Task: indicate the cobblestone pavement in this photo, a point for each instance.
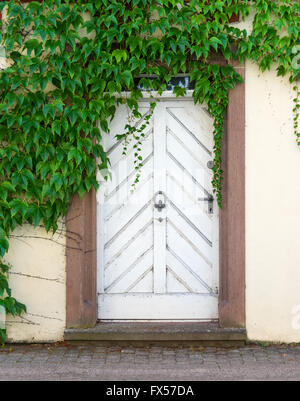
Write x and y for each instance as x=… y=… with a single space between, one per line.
x=94 y=362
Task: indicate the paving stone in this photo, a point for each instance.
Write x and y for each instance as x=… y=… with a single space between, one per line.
x=88 y=359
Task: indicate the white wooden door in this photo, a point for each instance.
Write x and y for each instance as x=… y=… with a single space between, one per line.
x=160 y=263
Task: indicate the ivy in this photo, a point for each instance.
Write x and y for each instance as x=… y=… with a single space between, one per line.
x=68 y=63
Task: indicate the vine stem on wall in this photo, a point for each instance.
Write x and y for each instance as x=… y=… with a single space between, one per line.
x=68 y=62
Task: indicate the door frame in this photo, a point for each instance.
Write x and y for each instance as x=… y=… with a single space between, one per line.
x=170 y=306
x=81 y=228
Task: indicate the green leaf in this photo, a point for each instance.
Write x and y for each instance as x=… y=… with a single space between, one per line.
x=46 y=109
x=31 y=44
x=2 y=331
x=7 y=185
x=119 y=55
x=4 y=245
x=37 y=216
x=104 y=125
x=4 y=268
x=74 y=154
x=127 y=77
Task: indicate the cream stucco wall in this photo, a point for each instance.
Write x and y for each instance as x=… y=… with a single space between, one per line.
x=38 y=279
x=272 y=210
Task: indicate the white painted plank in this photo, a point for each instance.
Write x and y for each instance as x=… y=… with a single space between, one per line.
x=196 y=119
x=121 y=221
x=182 y=157
x=118 y=123
x=189 y=142
x=190 y=232
x=175 y=284
x=125 y=168
x=143 y=283
x=160 y=272
x=116 y=154
x=128 y=235
x=185 y=180
x=125 y=194
x=190 y=206
x=128 y=279
x=158 y=307
x=135 y=253
x=188 y=264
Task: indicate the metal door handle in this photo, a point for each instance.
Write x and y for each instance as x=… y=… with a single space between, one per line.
x=160 y=205
x=210 y=200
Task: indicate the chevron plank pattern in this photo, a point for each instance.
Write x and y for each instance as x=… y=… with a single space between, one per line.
x=128 y=215
x=149 y=257
x=189 y=236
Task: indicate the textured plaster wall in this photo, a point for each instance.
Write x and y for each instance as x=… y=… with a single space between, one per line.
x=38 y=279
x=272 y=209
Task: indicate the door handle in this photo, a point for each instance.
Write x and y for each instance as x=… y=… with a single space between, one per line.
x=160 y=205
x=210 y=199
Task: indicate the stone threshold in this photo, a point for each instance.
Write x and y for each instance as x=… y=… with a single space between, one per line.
x=157 y=332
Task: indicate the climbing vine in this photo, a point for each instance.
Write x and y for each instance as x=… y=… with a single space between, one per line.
x=67 y=64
